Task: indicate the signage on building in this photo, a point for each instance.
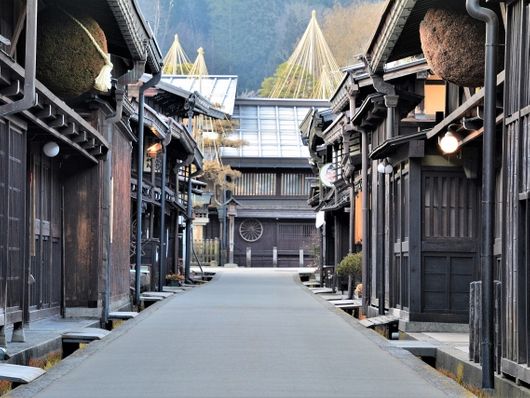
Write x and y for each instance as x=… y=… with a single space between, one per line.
x=328 y=175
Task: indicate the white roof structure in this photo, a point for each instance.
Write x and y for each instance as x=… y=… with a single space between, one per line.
x=270 y=127
x=220 y=90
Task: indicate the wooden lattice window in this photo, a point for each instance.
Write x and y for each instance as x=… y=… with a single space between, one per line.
x=256 y=184
x=295 y=184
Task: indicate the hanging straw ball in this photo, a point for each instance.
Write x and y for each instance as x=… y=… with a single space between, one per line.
x=453 y=44
x=68 y=62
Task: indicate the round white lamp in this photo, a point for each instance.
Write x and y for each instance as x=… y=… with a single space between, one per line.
x=449 y=142
x=51 y=149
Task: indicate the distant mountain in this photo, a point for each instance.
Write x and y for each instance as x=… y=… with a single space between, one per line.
x=249 y=38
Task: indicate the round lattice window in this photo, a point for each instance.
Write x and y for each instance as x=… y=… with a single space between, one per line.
x=251 y=230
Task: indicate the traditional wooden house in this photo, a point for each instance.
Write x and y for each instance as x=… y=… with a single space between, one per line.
x=420 y=224
x=65 y=155
x=422 y=221
x=274 y=225
x=171 y=159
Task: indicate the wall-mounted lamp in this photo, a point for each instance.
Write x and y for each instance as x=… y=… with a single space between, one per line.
x=450 y=142
x=384 y=168
x=51 y=149
x=154 y=150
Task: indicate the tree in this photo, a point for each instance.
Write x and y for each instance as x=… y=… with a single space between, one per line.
x=297 y=82
x=348 y=29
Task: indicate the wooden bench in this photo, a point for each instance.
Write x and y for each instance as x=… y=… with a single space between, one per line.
x=18 y=374
x=72 y=339
x=311 y=284
x=383 y=324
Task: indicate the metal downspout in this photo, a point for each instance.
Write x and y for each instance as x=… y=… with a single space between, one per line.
x=30 y=97
x=163 y=249
x=366 y=272
x=140 y=166
x=488 y=186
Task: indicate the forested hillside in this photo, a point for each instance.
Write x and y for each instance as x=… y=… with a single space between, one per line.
x=251 y=38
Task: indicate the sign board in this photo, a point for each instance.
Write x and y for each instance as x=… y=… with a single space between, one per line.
x=328 y=175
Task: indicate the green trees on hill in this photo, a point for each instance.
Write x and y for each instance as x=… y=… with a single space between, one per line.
x=249 y=38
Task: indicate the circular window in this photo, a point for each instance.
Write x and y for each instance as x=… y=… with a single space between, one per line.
x=251 y=230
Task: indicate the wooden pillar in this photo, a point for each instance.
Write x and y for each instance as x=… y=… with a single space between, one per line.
x=415 y=221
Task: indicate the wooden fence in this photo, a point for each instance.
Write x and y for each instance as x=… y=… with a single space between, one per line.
x=207 y=251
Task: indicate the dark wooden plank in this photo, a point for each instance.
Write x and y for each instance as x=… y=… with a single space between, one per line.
x=415 y=234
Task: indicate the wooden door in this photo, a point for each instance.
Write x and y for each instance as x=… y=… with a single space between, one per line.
x=12 y=218
x=46 y=249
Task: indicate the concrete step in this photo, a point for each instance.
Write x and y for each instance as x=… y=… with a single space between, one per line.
x=321 y=290
x=85 y=335
x=19 y=374
x=158 y=294
x=415 y=347
x=174 y=289
x=151 y=298
x=379 y=320
x=122 y=315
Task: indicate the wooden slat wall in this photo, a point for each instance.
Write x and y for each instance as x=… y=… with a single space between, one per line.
x=449 y=242
x=516 y=176
x=252 y=184
x=45 y=204
x=121 y=210
x=12 y=190
x=83 y=236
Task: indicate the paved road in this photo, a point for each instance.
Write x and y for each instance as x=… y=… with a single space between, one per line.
x=249 y=333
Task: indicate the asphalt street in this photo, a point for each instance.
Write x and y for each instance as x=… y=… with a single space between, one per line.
x=248 y=333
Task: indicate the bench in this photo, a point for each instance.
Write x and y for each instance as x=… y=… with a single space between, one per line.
x=18 y=374
x=72 y=339
x=311 y=284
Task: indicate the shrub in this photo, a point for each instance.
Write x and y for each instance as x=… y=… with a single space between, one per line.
x=350 y=265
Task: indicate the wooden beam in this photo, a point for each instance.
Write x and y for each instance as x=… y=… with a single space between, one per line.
x=71 y=129
x=45 y=113
x=60 y=121
x=81 y=137
x=460 y=112
x=15 y=88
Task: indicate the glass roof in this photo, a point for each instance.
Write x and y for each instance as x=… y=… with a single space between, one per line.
x=269 y=128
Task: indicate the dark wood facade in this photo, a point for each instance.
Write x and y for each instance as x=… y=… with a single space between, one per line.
x=272 y=190
x=55 y=219
x=515 y=263
x=423 y=225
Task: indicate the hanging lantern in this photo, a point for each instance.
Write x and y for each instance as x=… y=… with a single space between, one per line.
x=51 y=149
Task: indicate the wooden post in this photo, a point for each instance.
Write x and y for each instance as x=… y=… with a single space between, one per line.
x=301 y=258
x=274 y=256
x=249 y=257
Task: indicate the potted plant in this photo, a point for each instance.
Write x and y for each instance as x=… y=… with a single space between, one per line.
x=350 y=267
x=174 y=279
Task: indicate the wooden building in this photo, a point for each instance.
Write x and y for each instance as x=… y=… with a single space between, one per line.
x=420 y=219
x=421 y=225
x=66 y=159
x=166 y=132
x=273 y=223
